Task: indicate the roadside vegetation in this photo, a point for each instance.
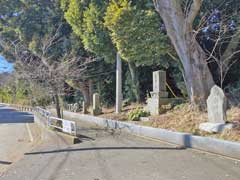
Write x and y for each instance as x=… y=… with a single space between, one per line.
x=63 y=51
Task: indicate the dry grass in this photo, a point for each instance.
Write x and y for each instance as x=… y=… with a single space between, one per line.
x=182 y=119
x=109 y=113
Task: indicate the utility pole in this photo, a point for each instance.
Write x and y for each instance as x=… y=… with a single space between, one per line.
x=118 y=85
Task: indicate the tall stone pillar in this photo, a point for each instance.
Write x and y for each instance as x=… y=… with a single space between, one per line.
x=119 y=85
x=96 y=110
x=159 y=95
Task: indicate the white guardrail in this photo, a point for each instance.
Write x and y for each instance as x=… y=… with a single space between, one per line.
x=64 y=125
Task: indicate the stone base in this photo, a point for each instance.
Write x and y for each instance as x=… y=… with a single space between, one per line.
x=154 y=105
x=161 y=94
x=215 y=127
x=69 y=138
x=144 y=119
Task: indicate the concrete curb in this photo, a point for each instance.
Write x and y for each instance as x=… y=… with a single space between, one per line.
x=213 y=145
x=43 y=124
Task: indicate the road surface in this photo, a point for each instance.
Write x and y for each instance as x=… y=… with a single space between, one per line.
x=113 y=155
x=15 y=136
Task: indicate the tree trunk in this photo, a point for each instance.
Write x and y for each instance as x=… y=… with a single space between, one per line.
x=57 y=105
x=197 y=75
x=225 y=61
x=91 y=90
x=135 y=81
x=86 y=89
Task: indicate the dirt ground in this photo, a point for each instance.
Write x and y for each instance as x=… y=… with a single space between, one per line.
x=181 y=119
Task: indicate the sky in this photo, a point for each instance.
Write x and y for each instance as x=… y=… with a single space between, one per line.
x=5 y=66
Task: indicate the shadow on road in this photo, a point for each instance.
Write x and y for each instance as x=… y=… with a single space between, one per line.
x=103 y=148
x=5 y=162
x=8 y=115
x=85 y=138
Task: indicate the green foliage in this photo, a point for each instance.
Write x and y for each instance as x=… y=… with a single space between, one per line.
x=64 y=4
x=74 y=14
x=5 y=95
x=135 y=114
x=128 y=88
x=233 y=92
x=106 y=90
x=78 y=96
x=86 y=20
x=133 y=27
x=30 y=23
x=136 y=32
x=99 y=29
x=176 y=74
x=95 y=36
x=20 y=92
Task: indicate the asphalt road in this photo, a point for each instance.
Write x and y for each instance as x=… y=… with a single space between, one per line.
x=114 y=155
x=14 y=136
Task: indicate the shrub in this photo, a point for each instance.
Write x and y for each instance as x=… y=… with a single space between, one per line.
x=233 y=93
x=135 y=114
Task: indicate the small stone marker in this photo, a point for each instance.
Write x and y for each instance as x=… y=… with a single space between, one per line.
x=159 y=79
x=75 y=107
x=96 y=105
x=96 y=101
x=217 y=108
x=84 y=109
x=159 y=95
x=144 y=119
x=71 y=107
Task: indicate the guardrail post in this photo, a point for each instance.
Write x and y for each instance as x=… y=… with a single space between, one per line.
x=75 y=129
x=48 y=121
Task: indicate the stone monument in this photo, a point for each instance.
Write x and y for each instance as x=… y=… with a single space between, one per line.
x=96 y=110
x=75 y=107
x=71 y=107
x=217 y=108
x=159 y=95
x=84 y=108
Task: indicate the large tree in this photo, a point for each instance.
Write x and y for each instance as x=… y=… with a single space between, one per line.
x=135 y=30
x=35 y=36
x=86 y=20
x=178 y=20
x=220 y=37
x=204 y=34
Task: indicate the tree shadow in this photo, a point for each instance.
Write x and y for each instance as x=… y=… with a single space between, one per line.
x=85 y=138
x=8 y=116
x=5 y=162
x=104 y=149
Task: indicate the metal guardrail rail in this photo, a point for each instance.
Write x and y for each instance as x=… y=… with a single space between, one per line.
x=63 y=125
x=19 y=107
x=42 y=112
